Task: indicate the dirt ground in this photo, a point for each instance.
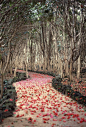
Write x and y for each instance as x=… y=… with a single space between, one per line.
x=40 y=105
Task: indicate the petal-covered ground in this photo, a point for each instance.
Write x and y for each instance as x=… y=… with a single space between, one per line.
x=40 y=105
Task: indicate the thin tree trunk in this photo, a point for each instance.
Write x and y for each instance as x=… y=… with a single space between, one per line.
x=71 y=68
x=66 y=68
x=78 y=70
x=1 y=85
x=44 y=65
x=61 y=70
x=1 y=80
x=26 y=71
x=10 y=67
x=15 y=71
x=80 y=40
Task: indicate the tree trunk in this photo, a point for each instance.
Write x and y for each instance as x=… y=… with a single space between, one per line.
x=44 y=65
x=61 y=70
x=1 y=80
x=26 y=71
x=71 y=68
x=10 y=67
x=23 y=66
x=66 y=68
x=80 y=40
x=1 y=85
x=78 y=70
x=15 y=71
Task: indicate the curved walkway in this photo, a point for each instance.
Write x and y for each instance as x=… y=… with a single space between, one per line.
x=40 y=105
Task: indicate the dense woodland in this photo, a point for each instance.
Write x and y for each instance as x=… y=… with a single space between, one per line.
x=45 y=35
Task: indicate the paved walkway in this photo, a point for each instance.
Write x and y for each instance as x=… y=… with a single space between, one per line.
x=40 y=105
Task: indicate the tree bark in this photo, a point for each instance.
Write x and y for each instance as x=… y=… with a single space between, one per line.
x=1 y=80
